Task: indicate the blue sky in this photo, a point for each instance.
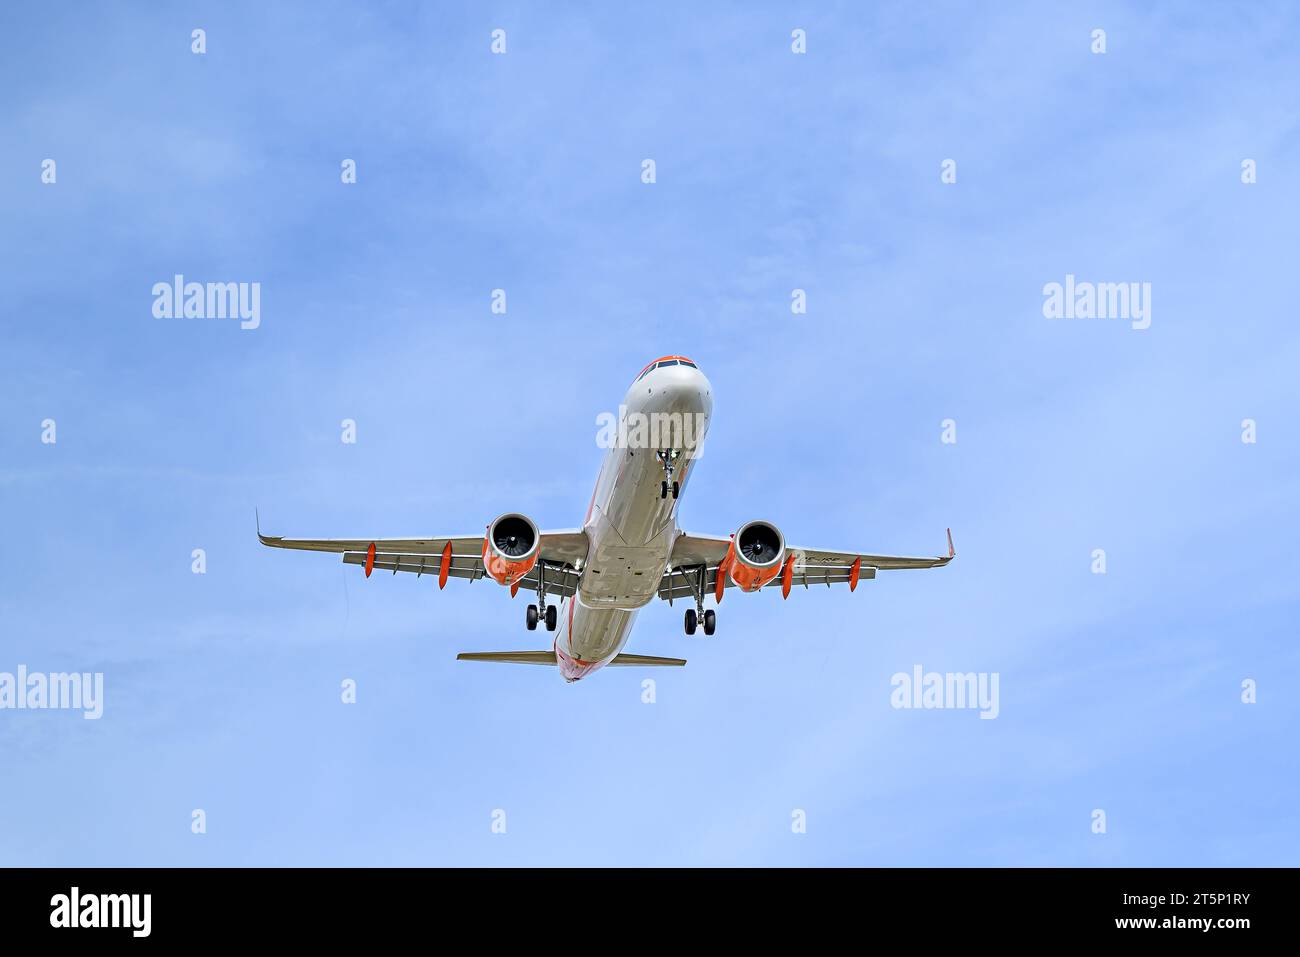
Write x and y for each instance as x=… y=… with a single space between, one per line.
x=775 y=171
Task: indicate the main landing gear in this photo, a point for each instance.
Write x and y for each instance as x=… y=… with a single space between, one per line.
x=709 y=618
x=668 y=458
x=551 y=617
x=697 y=615
x=551 y=613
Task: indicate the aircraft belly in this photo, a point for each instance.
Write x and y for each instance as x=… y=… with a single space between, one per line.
x=631 y=534
x=620 y=575
x=634 y=509
x=595 y=634
x=631 y=524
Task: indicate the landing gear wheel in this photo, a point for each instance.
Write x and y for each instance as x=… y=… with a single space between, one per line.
x=710 y=621
x=531 y=619
x=676 y=489
x=552 y=616
x=668 y=458
x=690 y=621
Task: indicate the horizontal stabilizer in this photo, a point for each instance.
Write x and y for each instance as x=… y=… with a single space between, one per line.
x=548 y=658
x=623 y=661
x=510 y=657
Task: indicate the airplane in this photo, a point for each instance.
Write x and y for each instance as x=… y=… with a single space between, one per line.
x=629 y=549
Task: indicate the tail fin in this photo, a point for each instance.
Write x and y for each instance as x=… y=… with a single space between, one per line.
x=548 y=658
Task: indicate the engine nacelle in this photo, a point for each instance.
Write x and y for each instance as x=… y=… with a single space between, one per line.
x=756 y=555
x=511 y=547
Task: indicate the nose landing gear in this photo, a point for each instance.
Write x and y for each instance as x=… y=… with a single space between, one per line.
x=668 y=458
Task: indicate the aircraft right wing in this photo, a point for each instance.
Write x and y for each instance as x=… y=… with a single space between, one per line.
x=696 y=560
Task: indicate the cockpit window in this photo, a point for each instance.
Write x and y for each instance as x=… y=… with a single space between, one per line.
x=665 y=361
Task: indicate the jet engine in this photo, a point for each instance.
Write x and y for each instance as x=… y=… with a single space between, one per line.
x=755 y=557
x=511 y=547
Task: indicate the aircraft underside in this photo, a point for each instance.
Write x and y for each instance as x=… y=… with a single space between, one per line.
x=590 y=582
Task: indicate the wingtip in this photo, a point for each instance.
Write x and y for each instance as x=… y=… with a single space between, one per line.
x=952 y=552
x=257 y=521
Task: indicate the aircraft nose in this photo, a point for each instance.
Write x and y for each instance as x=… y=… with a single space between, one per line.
x=684 y=389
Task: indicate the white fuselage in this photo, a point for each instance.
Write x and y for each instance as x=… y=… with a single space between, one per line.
x=630 y=525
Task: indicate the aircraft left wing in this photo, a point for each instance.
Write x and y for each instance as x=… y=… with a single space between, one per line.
x=696 y=559
x=561 y=551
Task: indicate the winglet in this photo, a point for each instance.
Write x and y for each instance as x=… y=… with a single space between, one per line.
x=952 y=552
x=264 y=539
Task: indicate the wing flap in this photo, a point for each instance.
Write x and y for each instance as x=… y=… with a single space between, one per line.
x=462 y=566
